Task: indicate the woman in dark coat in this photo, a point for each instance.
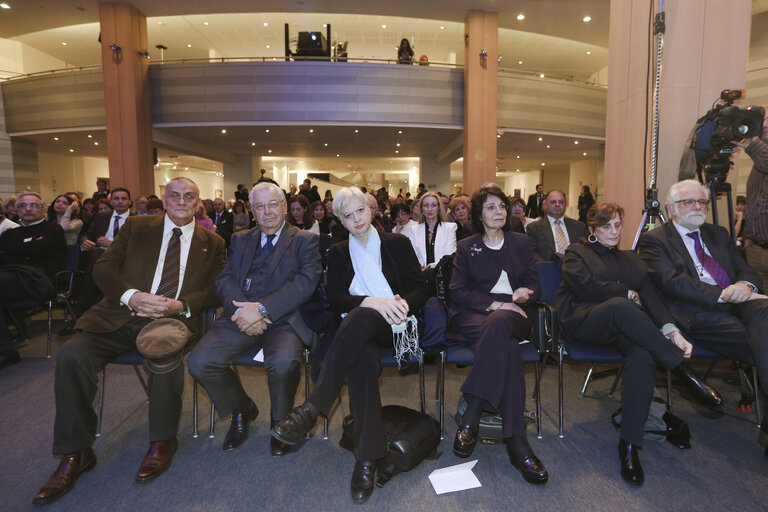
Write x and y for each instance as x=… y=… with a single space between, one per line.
x=375 y=280
x=605 y=298
x=585 y=203
x=493 y=282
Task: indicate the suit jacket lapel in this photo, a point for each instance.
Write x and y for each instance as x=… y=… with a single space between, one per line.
x=676 y=242
x=283 y=243
x=716 y=250
x=550 y=237
x=249 y=253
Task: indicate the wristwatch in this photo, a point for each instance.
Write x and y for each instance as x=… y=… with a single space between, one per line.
x=633 y=296
x=264 y=313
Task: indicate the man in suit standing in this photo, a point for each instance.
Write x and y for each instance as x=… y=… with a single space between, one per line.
x=270 y=272
x=707 y=286
x=533 y=208
x=159 y=267
x=223 y=220
x=554 y=232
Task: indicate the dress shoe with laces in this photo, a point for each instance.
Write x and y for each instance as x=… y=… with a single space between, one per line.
x=157 y=460
x=294 y=427
x=238 y=428
x=702 y=392
x=530 y=467
x=631 y=470
x=363 y=481
x=62 y=480
x=465 y=441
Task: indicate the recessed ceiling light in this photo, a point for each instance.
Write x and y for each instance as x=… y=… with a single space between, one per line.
x=543 y=164
x=161 y=23
x=396 y=151
x=90 y=136
x=540 y=139
x=584 y=154
x=186 y=168
x=575 y=142
x=337 y=155
x=55 y=138
x=442 y=27
x=589 y=52
x=5 y=6
x=517 y=170
x=223 y=131
x=96 y=143
x=189 y=46
x=325 y=145
x=71 y=150
x=520 y=17
x=63 y=43
x=541 y=75
x=400 y=131
x=269 y=151
x=266 y=24
x=311 y=130
x=586 y=19
x=518 y=156
x=356 y=131
x=398 y=144
x=267 y=47
x=520 y=62
x=267 y=130
x=253 y=143
x=205 y=23
x=325 y=25
x=383 y=26
x=498 y=136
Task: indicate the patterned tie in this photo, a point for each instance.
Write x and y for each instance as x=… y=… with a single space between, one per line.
x=169 y=282
x=115 y=227
x=269 y=245
x=717 y=272
x=560 y=241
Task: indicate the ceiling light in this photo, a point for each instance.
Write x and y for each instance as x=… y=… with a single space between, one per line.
x=267 y=47
x=267 y=130
x=189 y=46
x=90 y=136
x=498 y=136
x=589 y=52
x=174 y=167
x=96 y=143
x=71 y=150
x=396 y=151
x=253 y=143
x=584 y=154
x=337 y=155
x=269 y=151
x=160 y=23
x=186 y=168
x=383 y=26
x=398 y=144
x=575 y=142
x=518 y=156
x=517 y=170
x=63 y=43
x=547 y=146
x=540 y=139
x=266 y=24
x=520 y=62
x=400 y=131
x=442 y=27
x=5 y=6
x=223 y=131
x=543 y=164
x=541 y=75
x=356 y=131
x=586 y=19
x=325 y=25
x=520 y=17
x=326 y=144
x=311 y=130
x=55 y=138
x=205 y=23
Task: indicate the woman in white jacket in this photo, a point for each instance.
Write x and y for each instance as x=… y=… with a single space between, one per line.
x=433 y=237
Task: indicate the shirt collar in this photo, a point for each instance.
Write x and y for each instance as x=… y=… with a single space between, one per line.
x=187 y=230
x=683 y=230
x=123 y=216
x=33 y=223
x=277 y=234
x=552 y=220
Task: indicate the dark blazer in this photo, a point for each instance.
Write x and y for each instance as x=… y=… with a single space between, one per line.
x=100 y=224
x=42 y=245
x=588 y=281
x=130 y=262
x=543 y=241
x=399 y=264
x=533 y=207
x=225 y=226
x=475 y=272
x=672 y=270
x=293 y=275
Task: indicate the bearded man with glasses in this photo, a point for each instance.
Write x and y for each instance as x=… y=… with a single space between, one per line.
x=712 y=293
x=30 y=255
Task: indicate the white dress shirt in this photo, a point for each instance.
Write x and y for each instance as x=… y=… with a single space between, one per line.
x=111 y=228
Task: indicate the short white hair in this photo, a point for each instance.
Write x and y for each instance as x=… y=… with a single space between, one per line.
x=266 y=185
x=676 y=190
x=346 y=195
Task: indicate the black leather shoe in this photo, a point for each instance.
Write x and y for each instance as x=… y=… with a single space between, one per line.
x=363 y=480
x=702 y=392
x=465 y=441
x=9 y=358
x=762 y=438
x=62 y=480
x=278 y=448
x=294 y=427
x=631 y=470
x=238 y=429
x=530 y=467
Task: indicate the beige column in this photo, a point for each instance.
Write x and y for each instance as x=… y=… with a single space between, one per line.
x=481 y=30
x=705 y=50
x=127 y=97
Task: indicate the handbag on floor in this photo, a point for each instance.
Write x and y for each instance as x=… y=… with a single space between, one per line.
x=489 y=431
x=411 y=436
x=661 y=424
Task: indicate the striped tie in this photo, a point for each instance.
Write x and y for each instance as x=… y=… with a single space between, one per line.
x=717 y=272
x=560 y=240
x=115 y=227
x=169 y=282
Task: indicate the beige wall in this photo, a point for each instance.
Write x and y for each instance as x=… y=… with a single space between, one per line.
x=60 y=174
x=16 y=57
x=525 y=181
x=584 y=173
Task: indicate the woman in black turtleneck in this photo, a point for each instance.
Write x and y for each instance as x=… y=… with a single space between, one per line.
x=605 y=298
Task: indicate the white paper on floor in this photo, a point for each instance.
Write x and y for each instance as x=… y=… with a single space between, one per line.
x=454 y=478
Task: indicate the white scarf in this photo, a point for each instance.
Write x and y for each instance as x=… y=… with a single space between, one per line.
x=369 y=280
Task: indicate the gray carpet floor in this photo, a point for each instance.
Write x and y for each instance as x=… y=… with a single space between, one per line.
x=724 y=470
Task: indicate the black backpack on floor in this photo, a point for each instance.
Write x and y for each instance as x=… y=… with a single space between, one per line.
x=412 y=436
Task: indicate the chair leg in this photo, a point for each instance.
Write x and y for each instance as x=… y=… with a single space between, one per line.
x=101 y=401
x=213 y=421
x=325 y=428
x=758 y=405
x=669 y=390
x=442 y=393
x=194 y=408
x=560 y=390
x=616 y=382
x=48 y=349
x=306 y=374
x=142 y=380
x=422 y=391
x=537 y=392
x=586 y=381
x=19 y=324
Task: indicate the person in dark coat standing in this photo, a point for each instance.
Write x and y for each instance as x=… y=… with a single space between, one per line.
x=494 y=281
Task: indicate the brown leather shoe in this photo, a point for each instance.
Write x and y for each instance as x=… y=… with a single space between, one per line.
x=62 y=480
x=157 y=460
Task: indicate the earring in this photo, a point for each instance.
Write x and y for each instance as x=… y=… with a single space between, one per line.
x=592 y=238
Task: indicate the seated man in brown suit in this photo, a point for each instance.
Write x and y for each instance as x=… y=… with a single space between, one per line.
x=157 y=267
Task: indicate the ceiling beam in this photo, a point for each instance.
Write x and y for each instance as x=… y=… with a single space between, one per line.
x=191 y=147
x=452 y=150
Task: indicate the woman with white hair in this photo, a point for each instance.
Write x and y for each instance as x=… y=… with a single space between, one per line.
x=375 y=283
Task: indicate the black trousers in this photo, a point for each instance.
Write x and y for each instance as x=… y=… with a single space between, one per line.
x=622 y=324
x=78 y=364
x=13 y=287
x=87 y=292
x=354 y=355
x=210 y=363
x=497 y=375
x=739 y=331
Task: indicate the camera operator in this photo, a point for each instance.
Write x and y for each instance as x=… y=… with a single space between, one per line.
x=756 y=231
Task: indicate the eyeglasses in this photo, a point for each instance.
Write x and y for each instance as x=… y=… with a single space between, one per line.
x=690 y=202
x=188 y=197
x=261 y=206
x=494 y=207
x=32 y=206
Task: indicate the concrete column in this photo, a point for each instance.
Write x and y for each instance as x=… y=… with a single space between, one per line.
x=239 y=171
x=435 y=176
x=481 y=30
x=126 y=97
x=704 y=52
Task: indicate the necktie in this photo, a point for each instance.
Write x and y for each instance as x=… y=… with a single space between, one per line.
x=560 y=241
x=218 y=216
x=717 y=272
x=269 y=245
x=115 y=227
x=169 y=282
